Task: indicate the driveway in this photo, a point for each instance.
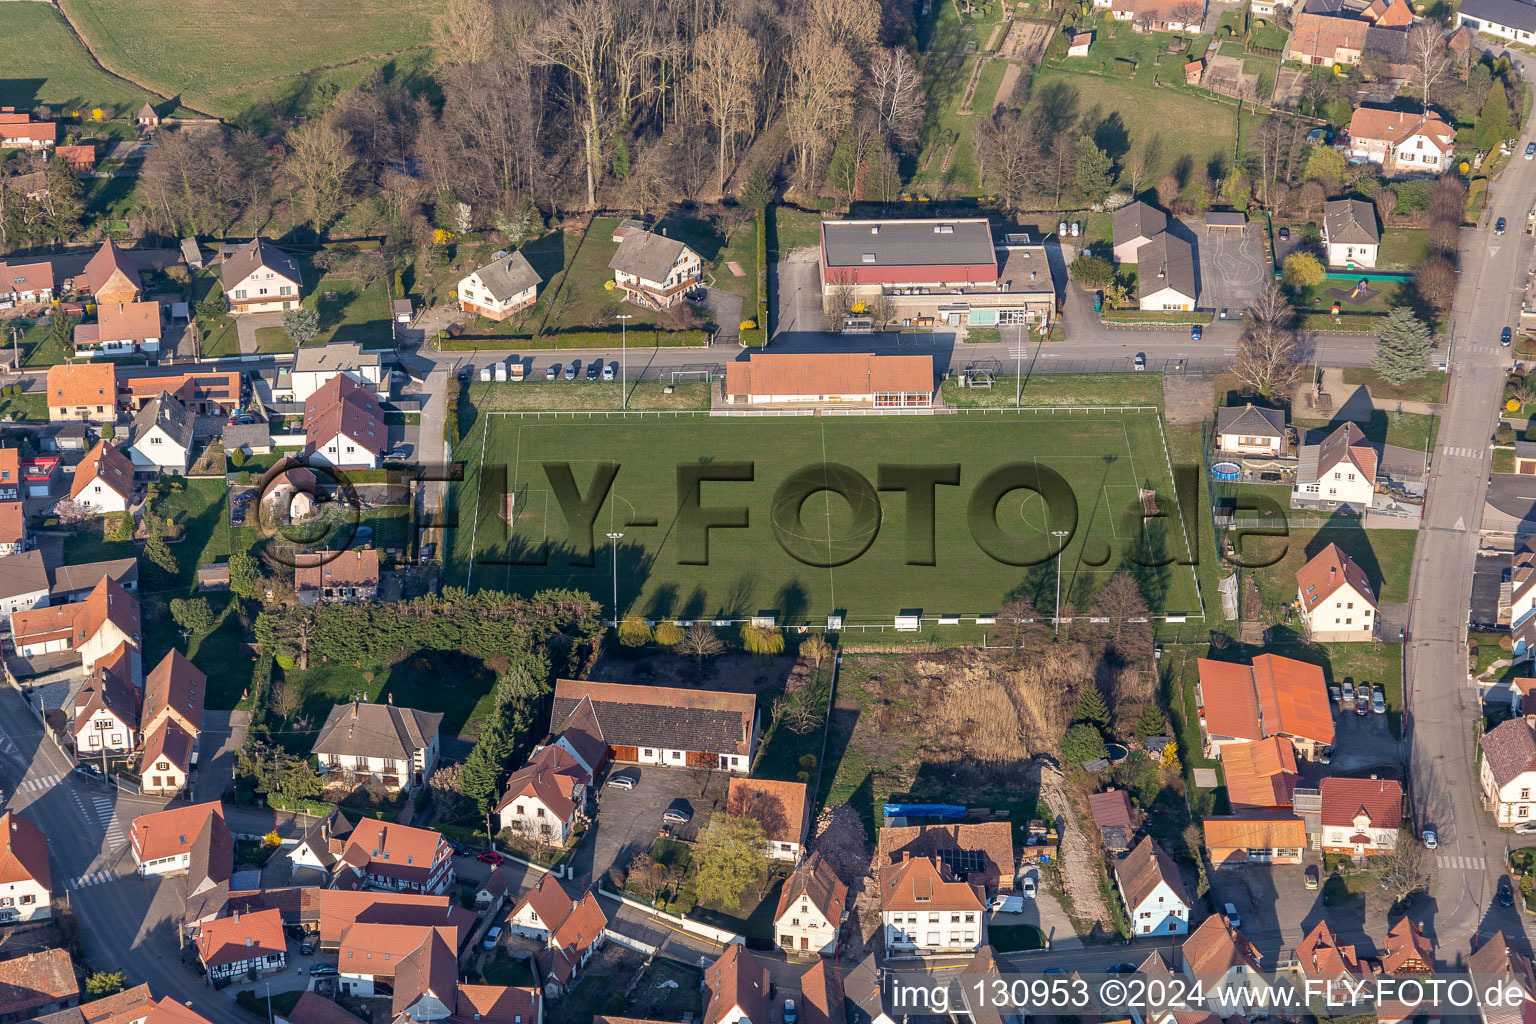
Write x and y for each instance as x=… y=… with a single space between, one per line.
x=728 y=314
x=1360 y=742
x=223 y=736
x=247 y=324
x=627 y=822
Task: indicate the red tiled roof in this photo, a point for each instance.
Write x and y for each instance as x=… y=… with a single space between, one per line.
x=1326 y=572
x=548 y=900
x=23 y=127
x=339 y=910
x=128 y=321
x=833 y=373
x=351 y=568
x=1110 y=808
x=35 y=980
x=1321 y=953
x=1216 y=947
x=582 y=927
x=1509 y=748
x=638 y=715
x=1347 y=443
x=106 y=463
x=497 y=1004
x=1260 y=774
x=380 y=949
x=168 y=741
x=814 y=879
x=13 y=522
x=388 y=848
x=226 y=940
x=1144 y=869
x=1380 y=799
x=175 y=686
x=1274 y=696
x=313 y=1008
x=170 y=832
x=71 y=384
x=920 y=883
x=551 y=776
x=108 y=262
x=23 y=851
x=1406 y=949
x=736 y=980
x=821 y=993
x=343 y=406
x=780 y=807
x=1254 y=830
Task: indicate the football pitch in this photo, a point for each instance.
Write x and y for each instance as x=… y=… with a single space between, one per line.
x=799 y=518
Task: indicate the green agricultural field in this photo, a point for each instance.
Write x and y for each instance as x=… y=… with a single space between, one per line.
x=852 y=557
x=202 y=50
x=45 y=63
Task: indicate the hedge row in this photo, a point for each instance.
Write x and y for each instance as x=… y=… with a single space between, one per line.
x=1153 y=316
x=758 y=336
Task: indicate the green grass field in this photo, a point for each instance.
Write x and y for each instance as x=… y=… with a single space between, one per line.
x=45 y=63
x=186 y=47
x=1105 y=458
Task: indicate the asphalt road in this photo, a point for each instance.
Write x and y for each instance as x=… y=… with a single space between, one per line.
x=1442 y=706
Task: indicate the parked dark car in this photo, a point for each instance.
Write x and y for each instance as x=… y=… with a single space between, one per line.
x=307 y=947
x=1506 y=895
x=323 y=971
x=594 y=370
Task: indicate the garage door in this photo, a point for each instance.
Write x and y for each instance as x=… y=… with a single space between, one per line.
x=626 y=753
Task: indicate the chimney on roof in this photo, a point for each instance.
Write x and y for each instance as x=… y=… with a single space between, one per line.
x=354 y=708
x=906 y=855
x=236 y=916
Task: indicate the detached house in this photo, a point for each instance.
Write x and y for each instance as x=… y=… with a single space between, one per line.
x=1340 y=471
x=396 y=745
x=395 y=858
x=541 y=909
x=1323 y=960
x=107 y=619
x=1226 y=962
x=980 y=853
x=737 y=989
x=1507 y=19
x=544 y=797
x=1250 y=430
x=1274 y=696
x=121 y=329
x=1404 y=143
x=104 y=718
x=1321 y=39
x=1350 y=236
x=811 y=909
x=344 y=426
x=192 y=838
x=572 y=943
x=337 y=576
x=925 y=910
x=242 y=944
x=111 y=277
x=501 y=288
x=780 y=807
x=259 y=277
x=662 y=725
x=1360 y=817
x=172 y=722
x=82 y=391
x=655 y=271
x=1335 y=598
x=103 y=481
x=1507 y=772
x=26 y=883
x=318 y=365
x=19 y=131
x=1153 y=891
x=160 y=439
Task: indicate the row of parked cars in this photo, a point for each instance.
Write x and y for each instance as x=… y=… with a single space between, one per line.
x=1364 y=700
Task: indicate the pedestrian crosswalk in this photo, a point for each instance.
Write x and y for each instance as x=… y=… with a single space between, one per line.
x=1465 y=453
x=106 y=814
x=1462 y=863
x=38 y=783
x=91 y=878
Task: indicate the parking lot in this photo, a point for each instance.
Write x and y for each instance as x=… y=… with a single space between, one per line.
x=1360 y=742
x=1232 y=265
x=627 y=822
x=556 y=369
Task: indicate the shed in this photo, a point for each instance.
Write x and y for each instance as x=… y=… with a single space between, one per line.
x=1078 y=45
x=1225 y=220
x=1192 y=72
x=402 y=310
x=213 y=577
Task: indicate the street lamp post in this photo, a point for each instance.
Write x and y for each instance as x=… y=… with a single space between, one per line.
x=1056 y=611
x=615 y=538
x=624 y=319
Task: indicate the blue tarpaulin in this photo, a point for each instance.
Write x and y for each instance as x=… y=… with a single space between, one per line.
x=924 y=811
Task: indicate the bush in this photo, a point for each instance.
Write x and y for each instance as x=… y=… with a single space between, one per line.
x=667 y=633
x=633 y=632
x=237 y=458
x=108 y=431
x=1082 y=743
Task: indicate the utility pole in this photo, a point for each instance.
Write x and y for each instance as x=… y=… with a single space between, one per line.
x=1056 y=611
x=623 y=319
x=615 y=538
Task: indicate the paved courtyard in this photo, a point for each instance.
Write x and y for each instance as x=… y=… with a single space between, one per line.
x=1232 y=266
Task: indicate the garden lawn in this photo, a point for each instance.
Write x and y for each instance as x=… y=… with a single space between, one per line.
x=576 y=395
x=277 y=55
x=1050 y=389
x=357 y=314
x=1385 y=555
x=38 y=347
x=583 y=304
x=789 y=228
x=1407 y=430
x=45 y=64
x=664 y=571
x=1191 y=123
x=220 y=336
x=550 y=256
x=273 y=339
x=24 y=408
x=1428 y=388
x=1402 y=248
x=201 y=508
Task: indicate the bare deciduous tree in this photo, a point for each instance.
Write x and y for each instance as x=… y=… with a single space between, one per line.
x=1426 y=57
x=898 y=94
x=849 y=25
x=1266 y=349
x=819 y=98
x=1406 y=868
x=578 y=36
x=286 y=700
x=700 y=641
x=322 y=172
x=727 y=74
x=465 y=33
